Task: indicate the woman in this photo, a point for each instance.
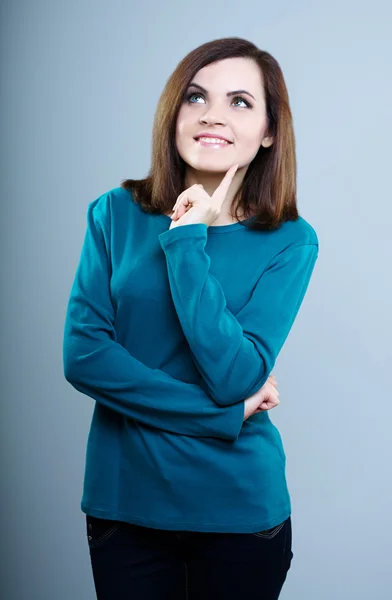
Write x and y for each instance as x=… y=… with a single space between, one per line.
x=174 y=323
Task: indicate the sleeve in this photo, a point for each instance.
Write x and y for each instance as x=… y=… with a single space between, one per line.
x=98 y=366
x=234 y=354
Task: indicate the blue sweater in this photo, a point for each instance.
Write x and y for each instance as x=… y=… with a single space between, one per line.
x=169 y=331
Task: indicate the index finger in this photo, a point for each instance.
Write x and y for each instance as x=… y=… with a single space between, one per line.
x=220 y=193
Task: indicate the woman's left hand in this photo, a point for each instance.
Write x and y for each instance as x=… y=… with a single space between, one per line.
x=194 y=205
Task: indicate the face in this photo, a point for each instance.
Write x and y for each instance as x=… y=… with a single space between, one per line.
x=224 y=100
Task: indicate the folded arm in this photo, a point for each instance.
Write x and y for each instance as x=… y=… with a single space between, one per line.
x=98 y=366
x=234 y=354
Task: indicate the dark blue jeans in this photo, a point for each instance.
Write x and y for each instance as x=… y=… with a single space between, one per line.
x=130 y=562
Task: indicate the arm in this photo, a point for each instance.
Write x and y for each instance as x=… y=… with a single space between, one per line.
x=234 y=355
x=98 y=366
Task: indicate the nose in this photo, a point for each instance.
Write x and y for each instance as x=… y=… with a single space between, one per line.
x=212 y=117
x=211 y=121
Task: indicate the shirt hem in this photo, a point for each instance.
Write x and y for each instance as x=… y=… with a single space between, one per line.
x=174 y=525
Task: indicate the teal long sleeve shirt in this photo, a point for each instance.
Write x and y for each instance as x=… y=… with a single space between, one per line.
x=169 y=331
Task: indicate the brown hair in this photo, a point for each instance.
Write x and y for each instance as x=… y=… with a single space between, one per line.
x=269 y=189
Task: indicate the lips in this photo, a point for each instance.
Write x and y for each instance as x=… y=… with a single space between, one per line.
x=210 y=135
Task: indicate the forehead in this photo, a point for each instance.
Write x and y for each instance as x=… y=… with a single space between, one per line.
x=230 y=74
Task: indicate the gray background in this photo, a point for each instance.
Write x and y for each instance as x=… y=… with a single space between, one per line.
x=81 y=80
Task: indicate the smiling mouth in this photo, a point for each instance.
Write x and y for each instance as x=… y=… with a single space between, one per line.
x=212 y=142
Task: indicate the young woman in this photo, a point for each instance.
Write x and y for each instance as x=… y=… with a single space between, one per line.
x=188 y=284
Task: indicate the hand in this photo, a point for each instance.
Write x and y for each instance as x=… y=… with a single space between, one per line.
x=265 y=398
x=194 y=205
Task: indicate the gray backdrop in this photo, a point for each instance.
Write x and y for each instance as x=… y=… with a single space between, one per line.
x=81 y=80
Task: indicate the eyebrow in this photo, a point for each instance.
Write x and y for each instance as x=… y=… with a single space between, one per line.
x=196 y=85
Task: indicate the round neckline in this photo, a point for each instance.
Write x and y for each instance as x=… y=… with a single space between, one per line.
x=212 y=228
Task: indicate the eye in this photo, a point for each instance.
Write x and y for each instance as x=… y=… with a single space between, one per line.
x=198 y=95
x=247 y=104
x=191 y=95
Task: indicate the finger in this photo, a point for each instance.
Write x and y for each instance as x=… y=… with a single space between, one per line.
x=178 y=200
x=272 y=381
x=219 y=195
x=182 y=208
x=269 y=403
x=187 y=198
x=175 y=214
x=272 y=396
x=181 y=196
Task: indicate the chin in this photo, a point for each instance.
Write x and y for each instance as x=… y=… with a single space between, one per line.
x=208 y=166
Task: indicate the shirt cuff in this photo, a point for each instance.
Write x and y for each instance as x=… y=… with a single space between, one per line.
x=237 y=419
x=192 y=231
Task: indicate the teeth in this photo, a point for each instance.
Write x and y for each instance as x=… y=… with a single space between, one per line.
x=209 y=140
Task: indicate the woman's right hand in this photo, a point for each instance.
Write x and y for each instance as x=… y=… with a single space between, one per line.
x=265 y=398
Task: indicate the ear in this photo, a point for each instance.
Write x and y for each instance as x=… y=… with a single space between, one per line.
x=267 y=142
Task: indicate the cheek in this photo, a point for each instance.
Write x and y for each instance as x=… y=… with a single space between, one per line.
x=184 y=139
x=181 y=131
x=182 y=144
x=250 y=139
x=183 y=119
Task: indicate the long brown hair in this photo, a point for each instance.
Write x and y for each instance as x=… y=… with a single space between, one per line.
x=269 y=189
